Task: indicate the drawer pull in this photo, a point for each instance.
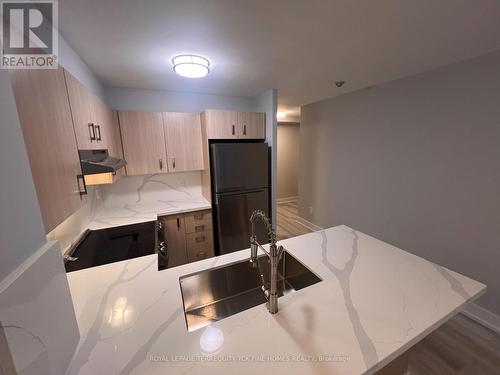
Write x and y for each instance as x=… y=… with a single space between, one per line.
x=198 y=217
x=200 y=239
x=199 y=228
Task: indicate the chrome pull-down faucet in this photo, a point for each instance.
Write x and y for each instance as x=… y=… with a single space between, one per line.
x=274 y=255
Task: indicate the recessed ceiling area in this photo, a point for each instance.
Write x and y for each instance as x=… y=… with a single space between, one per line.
x=299 y=47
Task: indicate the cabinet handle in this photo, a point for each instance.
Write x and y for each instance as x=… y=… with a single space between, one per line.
x=98 y=128
x=202 y=254
x=173 y=163
x=233 y=129
x=178 y=223
x=160 y=161
x=244 y=130
x=79 y=177
x=200 y=239
x=198 y=217
x=92 y=132
x=199 y=228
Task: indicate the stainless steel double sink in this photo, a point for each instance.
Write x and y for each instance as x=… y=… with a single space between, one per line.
x=217 y=293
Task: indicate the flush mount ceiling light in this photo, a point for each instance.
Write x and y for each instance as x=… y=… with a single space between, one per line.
x=280 y=114
x=191 y=66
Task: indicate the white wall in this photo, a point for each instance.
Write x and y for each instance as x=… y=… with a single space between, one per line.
x=21 y=226
x=416 y=163
x=128 y=99
x=288 y=145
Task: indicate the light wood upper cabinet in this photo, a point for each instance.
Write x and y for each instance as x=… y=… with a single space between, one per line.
x=96 y=125
x=221 y=124
x=115 y=146
x=45 y=116
x=235 y=125
x=143 y=140
x=84 y=113
x=251 y=125
x=107 y=119
x=183 y=139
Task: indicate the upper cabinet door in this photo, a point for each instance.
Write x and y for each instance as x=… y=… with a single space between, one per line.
x=44 y=113
x=143 y=142
x=251 y=125
x=84 y=114
x=183 y=138
x=221 y=124
x=103 y=123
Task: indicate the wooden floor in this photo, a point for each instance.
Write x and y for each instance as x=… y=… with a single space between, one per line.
x=289 y=224
x=460 y=346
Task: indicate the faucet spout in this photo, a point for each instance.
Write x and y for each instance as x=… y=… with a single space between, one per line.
x=274 y=255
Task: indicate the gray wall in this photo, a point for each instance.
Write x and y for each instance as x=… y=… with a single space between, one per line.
x=288 y=144
x=72 y=62
x=268 y=102
x=128 y=99
x=416 y=163
x=21 y=226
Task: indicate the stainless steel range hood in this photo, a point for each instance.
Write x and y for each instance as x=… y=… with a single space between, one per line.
x=99 y=161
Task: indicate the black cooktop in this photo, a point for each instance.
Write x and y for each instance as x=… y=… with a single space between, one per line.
x=103 y=246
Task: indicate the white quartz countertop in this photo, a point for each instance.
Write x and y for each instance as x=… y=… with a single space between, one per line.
x=375 y=301
x=133 y=213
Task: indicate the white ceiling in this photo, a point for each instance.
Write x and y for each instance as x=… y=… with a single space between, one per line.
x=298 y=46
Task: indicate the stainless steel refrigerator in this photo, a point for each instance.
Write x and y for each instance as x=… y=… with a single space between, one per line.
x=240 y=185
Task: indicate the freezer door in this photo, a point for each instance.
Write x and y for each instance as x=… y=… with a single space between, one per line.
x=239 y=166
x=233 y=219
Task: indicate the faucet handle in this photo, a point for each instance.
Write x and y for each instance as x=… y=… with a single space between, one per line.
x=281 y=250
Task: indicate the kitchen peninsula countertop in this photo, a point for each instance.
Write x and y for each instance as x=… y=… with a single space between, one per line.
x=375 y=302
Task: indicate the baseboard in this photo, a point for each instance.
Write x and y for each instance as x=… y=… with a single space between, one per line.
x=287 y=199
x=482 y=316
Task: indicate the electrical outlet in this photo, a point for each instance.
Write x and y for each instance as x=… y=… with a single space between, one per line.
x=311 y=210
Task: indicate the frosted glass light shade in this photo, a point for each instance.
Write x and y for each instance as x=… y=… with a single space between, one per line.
x=191 y=66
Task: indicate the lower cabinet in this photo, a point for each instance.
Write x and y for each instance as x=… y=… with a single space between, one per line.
x=189 y=237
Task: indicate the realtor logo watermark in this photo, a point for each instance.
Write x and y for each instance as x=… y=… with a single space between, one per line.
x=29 y=35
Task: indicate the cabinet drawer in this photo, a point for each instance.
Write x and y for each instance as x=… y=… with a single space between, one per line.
x=199 y=246
x=199 y=221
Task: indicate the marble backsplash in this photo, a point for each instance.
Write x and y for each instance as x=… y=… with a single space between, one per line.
x=143 y=194
x=70 y=229
x=133 y=190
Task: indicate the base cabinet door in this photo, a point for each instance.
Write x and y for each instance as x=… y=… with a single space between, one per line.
x=176 y=240
x=199 y=245
x=50 y=142
x=189 y=237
